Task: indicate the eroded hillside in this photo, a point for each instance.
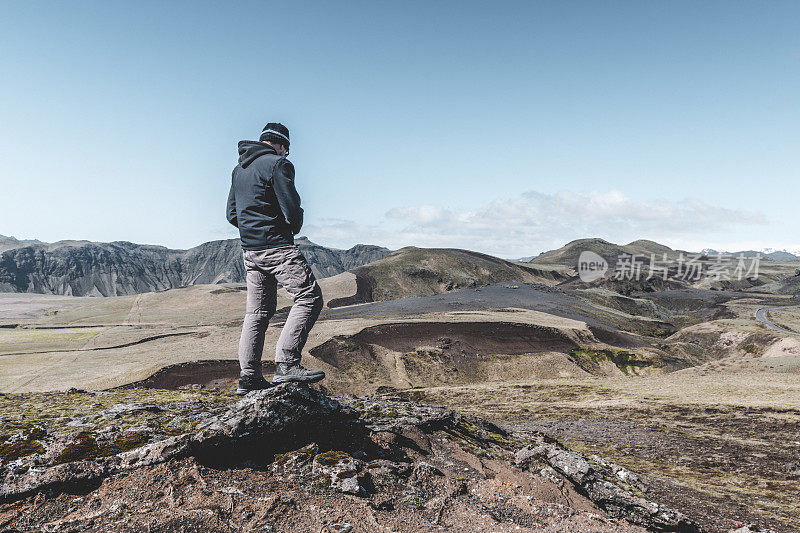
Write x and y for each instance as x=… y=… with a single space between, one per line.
x=82 y=268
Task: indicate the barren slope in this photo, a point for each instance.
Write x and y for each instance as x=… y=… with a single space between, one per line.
x=428 y=271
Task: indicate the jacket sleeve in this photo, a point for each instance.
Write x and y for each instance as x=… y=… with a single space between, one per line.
x=288 y=199
x=230 y=212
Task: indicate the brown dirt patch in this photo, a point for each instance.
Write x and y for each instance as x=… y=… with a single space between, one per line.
x=465 y=338
x=201 y=374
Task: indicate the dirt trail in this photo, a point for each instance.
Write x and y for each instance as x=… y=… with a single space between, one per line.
x=113 y=347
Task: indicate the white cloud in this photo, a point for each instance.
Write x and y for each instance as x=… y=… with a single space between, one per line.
x=343 y=233
x=535 y=221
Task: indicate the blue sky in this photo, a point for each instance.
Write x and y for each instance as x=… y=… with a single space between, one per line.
x=510 y=128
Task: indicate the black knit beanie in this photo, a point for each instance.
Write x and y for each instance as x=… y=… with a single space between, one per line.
x=275 y=132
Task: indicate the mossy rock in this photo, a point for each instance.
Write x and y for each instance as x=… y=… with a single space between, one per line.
x=320 y=484
x=346 y=474
x=331 y=458
x=86 y=447
x=415 y=502
x=124 y=443
x=20 y=448
x=304 y=453
x=377 y=410
x=54 y=410
x=36 y=433
x=26 y=445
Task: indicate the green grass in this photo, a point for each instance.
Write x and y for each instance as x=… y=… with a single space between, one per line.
x=36 y=340
x=53 y=411
x=752 y=349
x=589 y=359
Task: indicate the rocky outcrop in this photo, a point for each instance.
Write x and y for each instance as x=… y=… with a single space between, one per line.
x=268 y=422
x=253 y=429
x=432 y=463
x=81 y=268
x=611 y=488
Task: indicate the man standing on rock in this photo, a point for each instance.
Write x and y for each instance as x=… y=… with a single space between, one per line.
x=264 y=205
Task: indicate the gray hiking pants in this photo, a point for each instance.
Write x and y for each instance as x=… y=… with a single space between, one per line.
x=265 y=269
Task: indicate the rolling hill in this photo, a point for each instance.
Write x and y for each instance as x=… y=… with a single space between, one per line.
x=568 y=254
x=414 y=271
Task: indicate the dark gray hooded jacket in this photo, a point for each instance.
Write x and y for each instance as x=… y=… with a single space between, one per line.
x=263 y=202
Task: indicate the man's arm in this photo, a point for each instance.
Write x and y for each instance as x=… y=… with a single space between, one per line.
x=231 y=210
x=288 y=199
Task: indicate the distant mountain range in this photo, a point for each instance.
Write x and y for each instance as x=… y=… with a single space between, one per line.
x=83 y=268
x=9 y=243
x=769 y=253
x=568 y=254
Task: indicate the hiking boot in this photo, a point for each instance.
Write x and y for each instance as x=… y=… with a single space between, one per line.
x=295 y=372
x=251 y=383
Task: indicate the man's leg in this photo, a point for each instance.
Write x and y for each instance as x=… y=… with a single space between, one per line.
x=261 y=301
x=296 y=277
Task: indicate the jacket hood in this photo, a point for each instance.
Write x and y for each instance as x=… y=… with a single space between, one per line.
x=249 y=151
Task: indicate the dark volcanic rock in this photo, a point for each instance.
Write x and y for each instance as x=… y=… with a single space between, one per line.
x=81 y=268
x=275 y=420
x=602 y=489
x=252 y=430
x=426 y=459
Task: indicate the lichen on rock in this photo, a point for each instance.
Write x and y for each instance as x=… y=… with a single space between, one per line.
x=426 y=461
